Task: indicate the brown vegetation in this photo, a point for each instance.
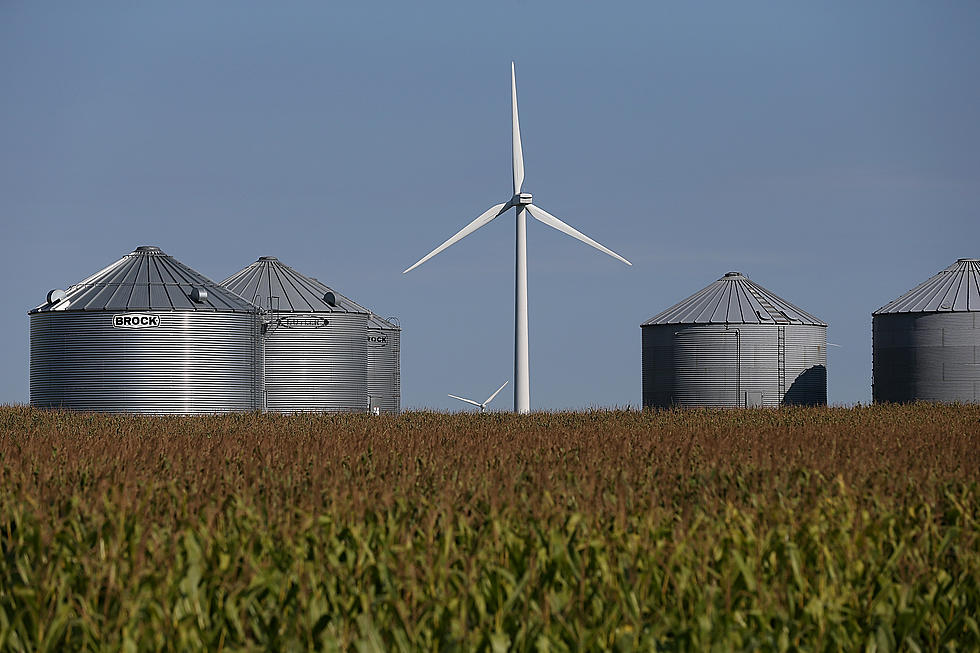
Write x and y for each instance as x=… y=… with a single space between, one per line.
x=605 y=463
x=797 y=526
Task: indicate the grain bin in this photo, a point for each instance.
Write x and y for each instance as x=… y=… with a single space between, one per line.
x=315 y=339
x=147 y=335
x=384 y=365
x=926 y=343
x=734 y=344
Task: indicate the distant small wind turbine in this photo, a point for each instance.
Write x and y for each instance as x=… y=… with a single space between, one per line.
x=521 y=203
x=483 y=406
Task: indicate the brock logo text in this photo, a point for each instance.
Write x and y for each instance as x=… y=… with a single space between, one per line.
x=135 y=321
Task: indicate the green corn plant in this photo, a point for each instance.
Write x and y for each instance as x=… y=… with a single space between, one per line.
x=801 y=529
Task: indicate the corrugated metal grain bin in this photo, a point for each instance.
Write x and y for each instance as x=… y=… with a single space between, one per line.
x=734 y=344
x=384 y=365
x=147 y=335
x=926 y=343
x=316 y=340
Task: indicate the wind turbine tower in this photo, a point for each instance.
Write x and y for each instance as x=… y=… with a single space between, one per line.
x=521 y=202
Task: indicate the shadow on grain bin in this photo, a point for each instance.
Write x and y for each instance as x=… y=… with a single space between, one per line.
x=809 y=388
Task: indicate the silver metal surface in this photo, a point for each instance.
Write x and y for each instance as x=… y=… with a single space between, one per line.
x=316 y=362
x=771 y=359
x=706 y=367
x=384 y=365
x=955 y=289
x=926 y=356
x=188 y=362
x=133 y=338
x=146 y=280
x=274 y=286
x=925 y=343
x=805 y=366
x=734 y=299
x=316 y=350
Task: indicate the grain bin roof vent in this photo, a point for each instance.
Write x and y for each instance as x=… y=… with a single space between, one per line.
x=955 y=289
x=734 y=299
x=378 y=322
x=146 y=279
x=56 y=295
x=274 y=286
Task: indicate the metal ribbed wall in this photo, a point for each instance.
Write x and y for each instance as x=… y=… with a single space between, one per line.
x=657 y=365
x=735 y=365
x=384 y=366
x=925 y=343
x=805 y=365
x=315 y=362
x=734 y=343
x=193 y=362
x=706 y=371
x=316 y=339
x=739 y=365
x=926 y=356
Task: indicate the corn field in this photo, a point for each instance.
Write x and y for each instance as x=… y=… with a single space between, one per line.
x=794 y=529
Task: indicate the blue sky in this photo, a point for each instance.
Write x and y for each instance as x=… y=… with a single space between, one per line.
x=830 y=151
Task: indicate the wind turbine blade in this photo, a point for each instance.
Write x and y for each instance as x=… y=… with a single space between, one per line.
x=541 y=215
x=518 y=151
x=469 y=401
x=490 y=398
x=486 y=217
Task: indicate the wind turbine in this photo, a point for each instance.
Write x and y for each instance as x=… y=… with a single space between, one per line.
x=482 y=406
x=521 y=202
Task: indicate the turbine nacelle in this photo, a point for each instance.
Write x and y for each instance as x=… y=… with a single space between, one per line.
x=520 y=200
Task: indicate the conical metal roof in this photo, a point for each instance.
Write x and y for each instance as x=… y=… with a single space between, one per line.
x=955 y=289
x=734 y=299
x=274 y=286
x=146 y=280
x=378 y=322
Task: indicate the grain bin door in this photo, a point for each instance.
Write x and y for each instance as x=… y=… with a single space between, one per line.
x=706 y=367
